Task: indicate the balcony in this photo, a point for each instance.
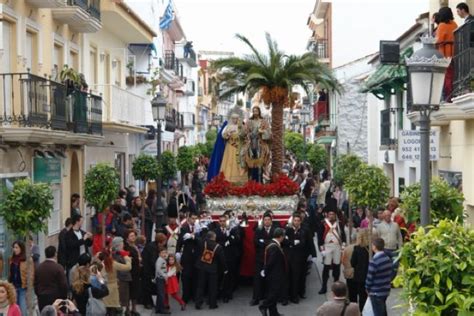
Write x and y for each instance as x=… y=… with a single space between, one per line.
x=190 y=87
x=82 y=16
x=36 y=109
x=186 y=54
x=189 y=120
x=173 y=73
x=321 y=48
x=46 y=4
x=124 y=110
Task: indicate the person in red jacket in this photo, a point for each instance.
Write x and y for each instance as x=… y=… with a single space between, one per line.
x=397 y=216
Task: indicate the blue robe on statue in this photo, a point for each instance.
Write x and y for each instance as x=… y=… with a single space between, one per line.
x=217 y=154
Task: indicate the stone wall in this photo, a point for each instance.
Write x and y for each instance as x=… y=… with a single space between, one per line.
x=352 y=120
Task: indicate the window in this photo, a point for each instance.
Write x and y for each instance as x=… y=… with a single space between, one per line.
x=29 y=51
x=400 y=109
x=73 y=59
x=117 y=71
x=58 y=62
x=54 y=222
x=93 y=66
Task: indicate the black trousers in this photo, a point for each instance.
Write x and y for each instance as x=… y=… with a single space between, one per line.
x=258 y=282
x=189 y=282
x=148 y=289
x=227 y=282
x=297 y=277
x=336 y=272
x=47 y=299
x=272 y=295
x=361 y=293
x=209 y=280
x=352 y=289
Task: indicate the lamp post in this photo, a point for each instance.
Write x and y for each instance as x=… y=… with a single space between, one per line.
x=304 y=120
x=158 y=106
x=426 y=72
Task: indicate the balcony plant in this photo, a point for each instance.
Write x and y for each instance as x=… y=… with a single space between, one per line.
x=101 y=187
x=25 y=210
x=437 y=270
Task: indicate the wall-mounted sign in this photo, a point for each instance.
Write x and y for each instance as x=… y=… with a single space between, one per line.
x=47 y=170
x=409 y=145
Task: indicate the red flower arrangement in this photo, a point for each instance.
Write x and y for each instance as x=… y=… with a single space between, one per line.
x=281 y=186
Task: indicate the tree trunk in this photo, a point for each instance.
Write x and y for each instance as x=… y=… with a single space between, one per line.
x=277 y=138
x=29 y=277
x=142 y=211
x=103 y=229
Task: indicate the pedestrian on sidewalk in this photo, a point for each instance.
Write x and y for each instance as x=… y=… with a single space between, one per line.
x=160 y=281
x=379 y=278
x=18 y=273
x=360 y=263
x=8 y=306
x=50 y=280
x=172 y=283
x=340 y=305
x=274 y=267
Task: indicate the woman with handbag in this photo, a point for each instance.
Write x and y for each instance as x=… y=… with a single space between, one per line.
x=87 y=281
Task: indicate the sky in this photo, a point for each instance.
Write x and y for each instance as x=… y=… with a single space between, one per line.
x=358 y=26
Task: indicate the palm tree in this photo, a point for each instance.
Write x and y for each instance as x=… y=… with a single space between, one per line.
x=274 y=74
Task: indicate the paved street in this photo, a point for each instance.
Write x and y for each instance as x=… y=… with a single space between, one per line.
x=239 y=306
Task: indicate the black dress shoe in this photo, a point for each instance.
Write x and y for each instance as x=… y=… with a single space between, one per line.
x=263 y=310
x=198 y=306
x=164 y=312
x=323 y=291
x=254 y=302
x=302 y=296
x=295 y=300
x=213 y=307
x=284 y=303
x=225 y=300
x=148 y=306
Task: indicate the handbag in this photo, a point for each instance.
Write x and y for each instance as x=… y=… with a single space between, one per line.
x=94 y=306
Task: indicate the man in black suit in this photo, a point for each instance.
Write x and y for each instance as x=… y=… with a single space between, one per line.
x=50 y=280
x=263 y=236
x=210 y=259
x=62 y=247
x=275 y=266
x=296 y=244
x=187 y=246
x=77 y=242
x=229 y=240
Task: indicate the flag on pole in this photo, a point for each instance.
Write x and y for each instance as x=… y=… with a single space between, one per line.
x=168 y=17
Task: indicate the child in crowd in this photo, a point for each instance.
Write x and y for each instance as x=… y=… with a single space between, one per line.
x=161 y=276
x=172 y=283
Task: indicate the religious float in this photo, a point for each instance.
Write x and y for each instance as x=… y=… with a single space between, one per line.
x=239 y=180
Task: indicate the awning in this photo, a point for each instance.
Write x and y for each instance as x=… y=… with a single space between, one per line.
x=325 y=140
x=388 y=79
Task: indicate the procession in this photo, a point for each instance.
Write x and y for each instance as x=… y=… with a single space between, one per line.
x=229 y=157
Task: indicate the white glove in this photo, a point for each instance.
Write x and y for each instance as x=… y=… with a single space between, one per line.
x=261 y=240
x=314 y=259
x=262 y=273
x=178 y=256
x=233 y=237
x=297 y=242
x=227 y=243
x=187 y=236
x=227 y=232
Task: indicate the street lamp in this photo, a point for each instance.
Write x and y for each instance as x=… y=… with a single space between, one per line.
x=426 y=72
x=158 y=107
x=304 y=120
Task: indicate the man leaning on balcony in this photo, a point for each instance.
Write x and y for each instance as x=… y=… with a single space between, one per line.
x=463 y=12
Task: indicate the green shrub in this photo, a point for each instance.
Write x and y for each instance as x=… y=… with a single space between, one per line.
x=446 y=202
x=344 y=167
x=437 y=270
x=101 y=186
x=368 y=186
x=167 y=166
x=145 y=167
x=317 y=157
x=294 y=143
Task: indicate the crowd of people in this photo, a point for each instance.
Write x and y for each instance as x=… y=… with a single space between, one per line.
x=151 y=253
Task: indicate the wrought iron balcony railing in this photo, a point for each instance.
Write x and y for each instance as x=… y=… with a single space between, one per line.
x=27 y=100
